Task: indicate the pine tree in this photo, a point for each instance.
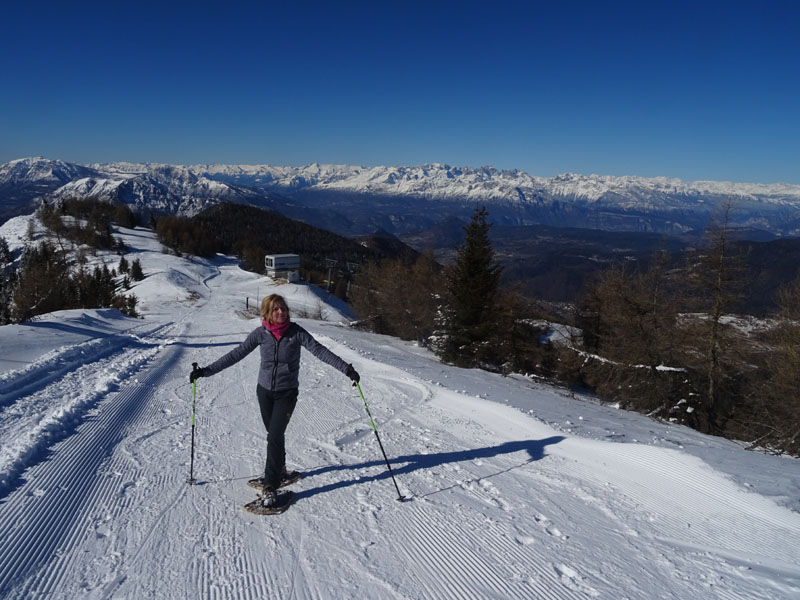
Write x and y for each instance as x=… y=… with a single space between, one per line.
x=5 y=253
x=43 y=283
x=136 y=270
x=7 y=281
x=472 y=285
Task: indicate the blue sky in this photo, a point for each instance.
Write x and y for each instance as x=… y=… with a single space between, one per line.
x=695 y=90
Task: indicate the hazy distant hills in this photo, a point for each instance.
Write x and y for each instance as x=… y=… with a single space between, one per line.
x=354 y=200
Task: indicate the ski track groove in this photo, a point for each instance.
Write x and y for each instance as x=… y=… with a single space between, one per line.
x=451 y=570
x=753 y=533
x=80 y=460
x=54 y=365
x=227 y=496
x=47 y=480
x=245 y=575
x=179 y=492
x=465 y=574
x=298 y=563
x=46 y=425
x=467 y=567
x=76 y=458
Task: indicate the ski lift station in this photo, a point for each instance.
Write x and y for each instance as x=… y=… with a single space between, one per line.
x=283 y=266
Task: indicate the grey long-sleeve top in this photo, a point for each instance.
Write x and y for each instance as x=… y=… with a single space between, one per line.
x=280 y=359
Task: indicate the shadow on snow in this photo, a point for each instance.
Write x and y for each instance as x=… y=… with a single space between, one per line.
x=414 y=462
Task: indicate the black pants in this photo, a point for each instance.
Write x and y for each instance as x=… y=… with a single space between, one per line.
x=276 y=410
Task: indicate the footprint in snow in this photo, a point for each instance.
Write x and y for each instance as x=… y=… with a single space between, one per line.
x=103 y=532
x=524 y=540
x=495 y=495
x=571 y=579
x=548 y=526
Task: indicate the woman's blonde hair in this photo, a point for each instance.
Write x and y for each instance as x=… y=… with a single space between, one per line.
x=268 y=304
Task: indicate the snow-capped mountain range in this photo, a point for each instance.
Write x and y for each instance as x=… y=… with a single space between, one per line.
x=354 y=199
x=483 y=184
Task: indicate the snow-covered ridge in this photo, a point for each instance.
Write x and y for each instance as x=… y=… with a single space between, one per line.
x=513 y=197
x=441 y=180
x=157 y=187
x=432 y=180
x=39 y=170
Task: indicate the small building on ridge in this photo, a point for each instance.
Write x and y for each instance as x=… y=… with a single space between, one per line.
x=283 y=266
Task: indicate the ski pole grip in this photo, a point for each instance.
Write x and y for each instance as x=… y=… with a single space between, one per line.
x=195 y=375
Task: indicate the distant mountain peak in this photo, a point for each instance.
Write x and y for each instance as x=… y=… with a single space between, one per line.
x=398 y=198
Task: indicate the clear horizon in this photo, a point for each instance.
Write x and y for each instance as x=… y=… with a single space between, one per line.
x=680 y=90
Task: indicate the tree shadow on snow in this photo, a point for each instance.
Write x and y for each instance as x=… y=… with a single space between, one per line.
x=99 y=333
x=414 y=462
x=70 y=328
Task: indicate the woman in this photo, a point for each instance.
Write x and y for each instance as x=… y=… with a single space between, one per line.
x=280 y=340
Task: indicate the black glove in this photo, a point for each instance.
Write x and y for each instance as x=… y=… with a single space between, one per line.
x=352 y=374
x=197 y=373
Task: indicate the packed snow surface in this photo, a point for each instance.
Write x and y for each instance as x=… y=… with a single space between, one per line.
x=515 y=488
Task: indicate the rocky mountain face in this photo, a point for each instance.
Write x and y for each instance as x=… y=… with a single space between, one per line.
x=354 y=200
x=163 y=189
x=23 y=181
x=159 y=189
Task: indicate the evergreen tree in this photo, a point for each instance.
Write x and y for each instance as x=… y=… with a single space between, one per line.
x=136 y=270
x=7 y=282
x=43 y=283
x=130 y=306
x=472 y=285
x=5 y=253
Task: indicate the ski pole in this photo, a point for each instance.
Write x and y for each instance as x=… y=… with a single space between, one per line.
x=191 y=480
x=400 y=496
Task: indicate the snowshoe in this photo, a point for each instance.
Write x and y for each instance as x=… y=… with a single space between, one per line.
x=270 y=503
x=288 y=478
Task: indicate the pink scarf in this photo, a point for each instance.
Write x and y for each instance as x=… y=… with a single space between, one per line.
x=276 y=329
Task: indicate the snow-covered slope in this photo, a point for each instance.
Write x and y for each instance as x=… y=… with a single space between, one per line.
x=162 y=189
x=147 y=188
x=23 y=181
x=516 y=489
x=40 y=171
